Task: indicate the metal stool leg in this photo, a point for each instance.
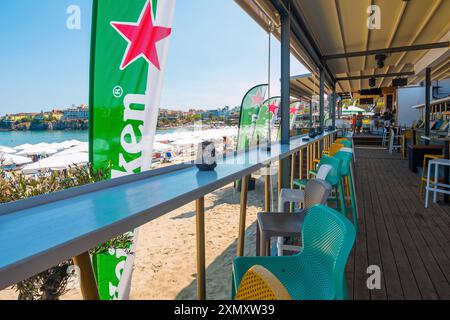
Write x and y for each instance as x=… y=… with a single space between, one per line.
x=436 y=181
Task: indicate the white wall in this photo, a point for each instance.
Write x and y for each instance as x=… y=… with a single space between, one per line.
x=408 y=97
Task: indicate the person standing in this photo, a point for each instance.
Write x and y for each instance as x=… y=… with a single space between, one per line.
x=359 y=122
x=387 y=117
x=354 y=123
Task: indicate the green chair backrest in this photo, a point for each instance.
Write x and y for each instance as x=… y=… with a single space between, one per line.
x=335 y=173
x=346 y=161
x=328 y=237
x=346 y=143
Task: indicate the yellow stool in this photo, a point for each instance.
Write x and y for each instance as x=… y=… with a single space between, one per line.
x=423 y=179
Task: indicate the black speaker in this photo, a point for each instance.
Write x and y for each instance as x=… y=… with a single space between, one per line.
x=399 y=82
x=370 y=92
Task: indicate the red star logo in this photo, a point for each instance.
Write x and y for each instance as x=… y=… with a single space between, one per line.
x=257 y=98
x=273 y=108
x=142 y=38
x=293 y=110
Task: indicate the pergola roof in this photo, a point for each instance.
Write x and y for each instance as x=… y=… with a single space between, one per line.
x=306 y=85
x=340 y=27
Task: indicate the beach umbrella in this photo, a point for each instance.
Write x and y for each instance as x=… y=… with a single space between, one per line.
x=56 y=146
x=40 y=151
x=158 y=146
x=82 y=148
x=186 y=142
x=23 y=146
x=12 y=159
x=352 y=110
x=42 y=145
x=7 y=150
x=57 y=163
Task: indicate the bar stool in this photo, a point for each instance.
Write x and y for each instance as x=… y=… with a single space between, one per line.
x=334 y=178
x=346 y=174
x=423 y=178
x=280 y=224
x=435 y=188
x=393 y=146
x=384 y=139
x=301 y=197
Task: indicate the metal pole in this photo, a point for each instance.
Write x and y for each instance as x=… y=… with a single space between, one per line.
x=285 y=77
x=243 y=214
x=427 y=102
x=285 y=93
x=311 y=113
x=339 y=109
x=88 y=283
x=201 y=266
x=333 y=108
x=322 y=98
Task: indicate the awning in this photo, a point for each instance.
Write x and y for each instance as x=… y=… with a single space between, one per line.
x=339 y=27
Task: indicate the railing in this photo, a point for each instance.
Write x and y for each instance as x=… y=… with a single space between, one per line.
x=40 y=232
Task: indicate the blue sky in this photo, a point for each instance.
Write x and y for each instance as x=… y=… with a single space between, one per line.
x=217 y=52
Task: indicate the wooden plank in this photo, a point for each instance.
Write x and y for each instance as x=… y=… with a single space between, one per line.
x=389 y=210
x=360 y=290
x=389 y=266
x=373 y=247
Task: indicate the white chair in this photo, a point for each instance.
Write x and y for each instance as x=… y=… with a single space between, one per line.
x=393 y=146
x=436 y=187
x=296 y=196
x=384 y=140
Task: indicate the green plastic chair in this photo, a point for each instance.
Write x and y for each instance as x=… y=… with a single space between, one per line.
x=346 y=143
x=318 y=271
x=346 y=163
x=333 y=178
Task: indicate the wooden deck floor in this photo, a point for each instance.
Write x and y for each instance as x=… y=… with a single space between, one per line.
x=409 y=243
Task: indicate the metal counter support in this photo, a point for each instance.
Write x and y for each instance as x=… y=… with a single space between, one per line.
x=201 y=267
x=300 y=168
x=243 y=215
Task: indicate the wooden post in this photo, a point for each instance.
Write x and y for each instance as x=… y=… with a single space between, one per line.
x=88 y=284
x=241 y=239
x=280 y=177
x=201 y=267
x=266 y=208
x=300 y=168
x=308 y=160
x=293 y=157
x=267 y=190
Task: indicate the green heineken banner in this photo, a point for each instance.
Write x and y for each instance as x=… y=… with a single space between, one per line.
x=130 y=42
x=294 y=109
x=249 y=115
x=268 y=114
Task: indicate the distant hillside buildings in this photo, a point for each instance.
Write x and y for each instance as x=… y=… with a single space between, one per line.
x=77 y=113
x=77 y=118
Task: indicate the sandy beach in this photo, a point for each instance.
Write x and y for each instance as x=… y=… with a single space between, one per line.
x=165 y=265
